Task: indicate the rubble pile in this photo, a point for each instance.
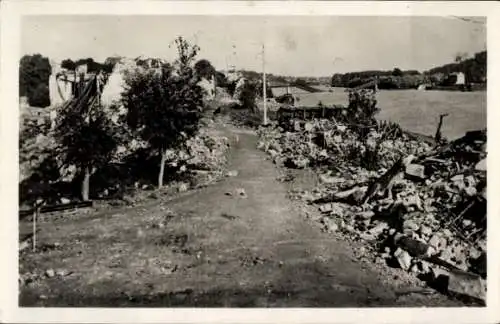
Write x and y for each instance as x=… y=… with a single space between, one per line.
x=321 y=141
x=204 y=154
x=427 y=217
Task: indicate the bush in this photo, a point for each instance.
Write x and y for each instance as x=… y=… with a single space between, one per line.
x=361 y=111
x=34 y=73
x=40 y=96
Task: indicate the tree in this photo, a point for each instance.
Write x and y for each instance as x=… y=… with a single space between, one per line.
x=164 y=108
x=248 y=95
x=397 y=72
x=204 y=69
x=86 y=139
x=68 y=64
x=40 y=96
x=33 y=71
x=460 y=57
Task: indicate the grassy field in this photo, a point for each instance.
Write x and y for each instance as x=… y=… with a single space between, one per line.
x=419 y=111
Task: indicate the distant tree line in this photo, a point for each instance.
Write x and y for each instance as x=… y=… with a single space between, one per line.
x=395 y=79
x=474 y=68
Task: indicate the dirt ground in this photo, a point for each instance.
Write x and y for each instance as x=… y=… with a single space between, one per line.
x=214 y=247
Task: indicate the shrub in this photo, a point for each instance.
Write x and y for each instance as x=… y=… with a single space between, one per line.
x=248 y=96
x=361 y=111
x=34 y=73
x=39 y=97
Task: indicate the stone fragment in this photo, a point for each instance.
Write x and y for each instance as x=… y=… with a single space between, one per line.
x=425 y=230
x=410 y=225
x=466 y=283
x=415 y=171
x=365 y=214
x=378 y=229
x=241 y=192
x=356 y=191
x=326 y=179
x=325 y=208
x=50 y=273
x=414 y=247
x=329 y=224
x=481 y=165
x=403 y=258
x=437 y=242
x=232 y=173
x=65 y=201
x=183 y=187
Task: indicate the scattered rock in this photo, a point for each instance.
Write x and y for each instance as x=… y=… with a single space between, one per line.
x=409 y=225
x=50 y=273
x=353 y=193
x=326 y=179
x=65 y=201
x=468 y=284
x=378 y=229
x=415 y=171
x=330 y=225
x=232 y=173
x=403 y=258
x=24 y=245
x=62 y=273
x=183 y=187
x=481 y=165
x=437 y=242
x=365 y=214
x=241 y=192
x=425 y=230
x=325 y=208
x=425 y=267
x=414 y=247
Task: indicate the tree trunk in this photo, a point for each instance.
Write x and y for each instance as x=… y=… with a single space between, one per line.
x=86 y=184
x=162 y=168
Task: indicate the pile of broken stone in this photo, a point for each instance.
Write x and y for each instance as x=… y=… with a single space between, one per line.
x=428 y=218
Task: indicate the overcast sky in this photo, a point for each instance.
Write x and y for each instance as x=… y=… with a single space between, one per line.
x=300 y=46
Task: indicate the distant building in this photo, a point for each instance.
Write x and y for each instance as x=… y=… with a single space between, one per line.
x=460 y=78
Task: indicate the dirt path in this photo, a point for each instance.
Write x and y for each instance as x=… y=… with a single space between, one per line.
x=228 y=250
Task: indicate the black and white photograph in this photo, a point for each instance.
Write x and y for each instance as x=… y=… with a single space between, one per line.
x=252 y=161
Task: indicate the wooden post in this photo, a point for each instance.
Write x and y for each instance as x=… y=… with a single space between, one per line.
x=264 y=89
x=35 y=215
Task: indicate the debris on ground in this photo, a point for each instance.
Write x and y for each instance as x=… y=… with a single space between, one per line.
x=240 y=192
x=426 y=204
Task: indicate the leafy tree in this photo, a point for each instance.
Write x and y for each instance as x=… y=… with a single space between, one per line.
x=248 y=95
x=33 y=71
x=68 y=64
x=220 y=79
x=86 y=139
x=164 y=108
x=397 y=72
x=204 y=69
x=40 y=96
x=109 y=64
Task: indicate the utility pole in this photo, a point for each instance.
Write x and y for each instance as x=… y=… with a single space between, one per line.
x=264 y=95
